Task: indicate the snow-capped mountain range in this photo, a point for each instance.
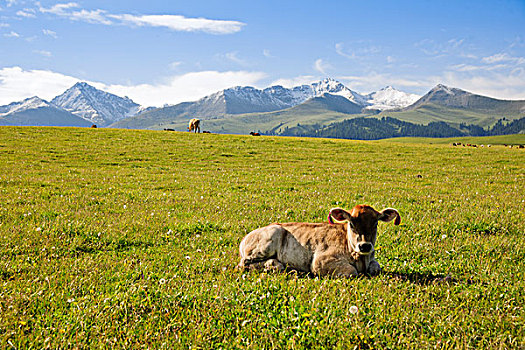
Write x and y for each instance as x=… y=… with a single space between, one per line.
x=250 y=100
x=103 y=108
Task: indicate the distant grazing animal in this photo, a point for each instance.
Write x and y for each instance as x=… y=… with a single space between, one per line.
x=169 y=129
x=94 y=126
x=343 y=246
x=206 y=132
x=194 y=125
x=521 y=146
x=255 y=134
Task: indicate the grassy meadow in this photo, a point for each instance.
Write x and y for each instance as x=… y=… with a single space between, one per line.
x=129 y=239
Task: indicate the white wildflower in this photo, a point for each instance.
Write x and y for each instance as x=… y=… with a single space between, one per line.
x=353 y=309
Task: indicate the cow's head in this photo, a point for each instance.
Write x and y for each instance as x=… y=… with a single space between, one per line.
x=362 y=225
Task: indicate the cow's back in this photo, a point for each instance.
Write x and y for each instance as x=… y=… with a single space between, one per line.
x=318 y=237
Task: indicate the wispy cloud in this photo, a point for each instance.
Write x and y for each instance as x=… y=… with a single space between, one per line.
x=339 y=48
x=17 y=84
x=462 y=67
x=67 y=10
x=435 y=48
x=12 y=35
x=43 y=53
x=50 y=33
x=174 y=65
x=234 y=57
x=321 y=66
x=73 y=12
x=358 y=49
x=27 y=13
x=267 y=53
x=504 y=57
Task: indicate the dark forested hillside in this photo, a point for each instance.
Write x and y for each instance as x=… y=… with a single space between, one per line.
x=373 y=129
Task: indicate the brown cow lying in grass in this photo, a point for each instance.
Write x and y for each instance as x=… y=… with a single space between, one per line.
x=344 y=248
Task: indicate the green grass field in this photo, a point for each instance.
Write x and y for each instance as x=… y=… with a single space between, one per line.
x=129 y=239
x=514 y=140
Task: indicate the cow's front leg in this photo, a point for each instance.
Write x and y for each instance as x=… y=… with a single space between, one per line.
x=329 y=265
x=374 y=269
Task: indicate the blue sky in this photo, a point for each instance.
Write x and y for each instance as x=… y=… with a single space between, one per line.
x=160 y=52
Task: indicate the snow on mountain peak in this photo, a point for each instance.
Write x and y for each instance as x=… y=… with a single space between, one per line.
x=444 y=88
x=28 y=103
x=95 y=105
x=390 y=98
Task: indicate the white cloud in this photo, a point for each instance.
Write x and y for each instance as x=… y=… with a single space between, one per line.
x=462 y=67
x=181 y=23
x=234 y=57
x=339 y=48
x=174 y=65
x=501 y=85
x=296 y=81
x=50 y=33
x=28 y=13
x=375 y=81
x=73 y=12
x=322 y=66
x=363 y=49
x=17 y=84
x=66 y=10
x=504 y=57
x=4 y=25
x=186 y=87
x=12 y=35
x=43 y=53
x=434 y=48
x=267 y=53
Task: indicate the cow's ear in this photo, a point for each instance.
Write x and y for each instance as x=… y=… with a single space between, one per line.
x=390 y=214
x=339 y=215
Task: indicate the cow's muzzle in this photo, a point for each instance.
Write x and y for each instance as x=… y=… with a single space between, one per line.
x=365 y=248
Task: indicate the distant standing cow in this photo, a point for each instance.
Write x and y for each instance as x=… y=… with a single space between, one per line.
x=194 y=125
